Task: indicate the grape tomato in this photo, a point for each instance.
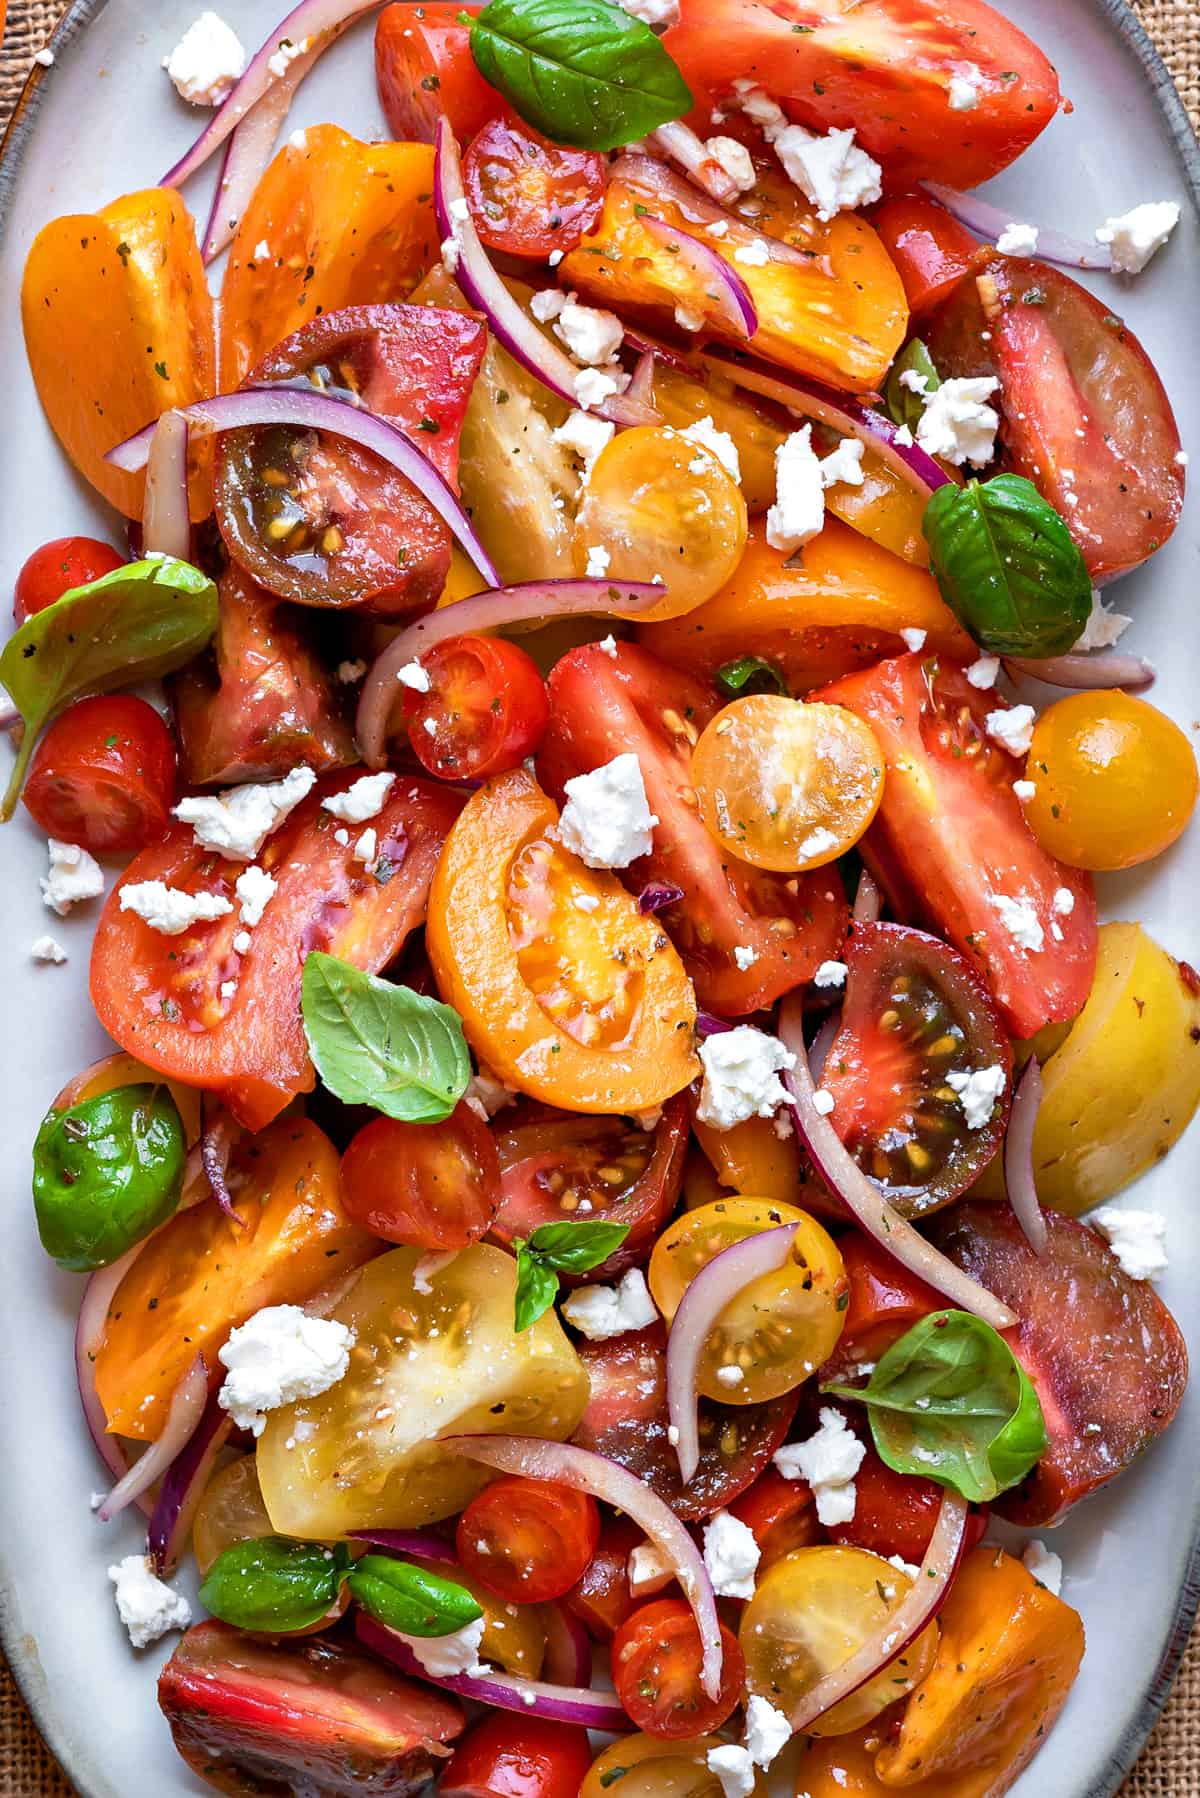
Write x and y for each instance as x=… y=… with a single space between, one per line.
x=656 y=1671
x=103 y=776
x=431 y=1187
x=483 y=711
x=56 y=567
x=528 y=196
x=528 y=1541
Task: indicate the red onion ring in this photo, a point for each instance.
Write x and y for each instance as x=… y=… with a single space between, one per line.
x=660 y=183
x=822 y=1042
x=1019 y=1178
x=641 y=381
x=530 y=603
x=720 y=281
x=322 y=412
x=681 y=144
x=216 y=1141
x=1085 y=672
x=583 y=1471
x=988 y=221
x=920 y=1604
x=868 y=900
x=657 y=897
x=714 y=1287
x=183 y=1414
x=504 y=1691
x=568 y=1659
x=422 y=1545
x=183 y=1487
x=510 y=323
x=846 y=1179
x=90 y=1327
x=166 y=522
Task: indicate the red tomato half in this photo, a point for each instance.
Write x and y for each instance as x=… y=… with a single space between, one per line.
x=780 y=1515
x=604 y=705
x=425 y=71
x=885 y=70
x=433 y=1187
x=656 y=1671
x=103 y=775
x=56 y=567
x=528 y=1540
x=503 y=1756
x=931 y=250
x=949 y=840
x=528 y=196
x=1085 y=416
x=485 y=711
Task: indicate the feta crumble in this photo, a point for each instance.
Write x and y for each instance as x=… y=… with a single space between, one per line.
x=237 y=822
x=365 y=798
x=278 y=1356
x=1025 y=790
x=741 y=1076
x=843 y=464
x=592 y=388
x=601 y=1312
x=730 y=1375
x=978 y=1090
x=366 y=847
x=829 y=1461
x=1045 y=1566
x=731 y=1556
x=1134 y=237
x=146 y=1605
x=74 y=876
x=171 y=910
x=1103 y=628
x=1020 y=919
x=608 y=647
x=607 y=821
x=822 y=1102
x=768 y=1731
x=913 y=639
x=734 y=1770
x=414 y=677
x=736 y=161
x=799 y=509
x=585 y=437
x=47 y=948
x=832 y=172
x=964 y=90
x=753 y=255
x=591 y=334
x=984 y=672
x=744 y=956
x=444 y=1657
x=1137 y=1239
x=957 y=423
x=831 y=973
x=598 y=559
x=547 y=305
x=255 y=889
x=1012 y=727
x=719 y=444
x=1018 y=240
x=206 y=61
x=646 y=1566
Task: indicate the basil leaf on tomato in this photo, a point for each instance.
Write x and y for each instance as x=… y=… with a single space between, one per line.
x=570 y=1247
x=1008 y=567
x=414 y=1600
x=106 y=1173
x=905 y=407
x=583 y=72
x=950 y=1402
x=377 y=1044
x=274 y=1583
x=751 y=674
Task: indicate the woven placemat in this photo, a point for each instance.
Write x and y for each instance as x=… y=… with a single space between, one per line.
x=1170 y=1766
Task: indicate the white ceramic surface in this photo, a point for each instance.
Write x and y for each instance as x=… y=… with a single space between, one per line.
x=104 y=122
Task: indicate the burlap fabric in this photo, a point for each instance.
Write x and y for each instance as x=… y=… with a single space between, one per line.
x=1170 y=1766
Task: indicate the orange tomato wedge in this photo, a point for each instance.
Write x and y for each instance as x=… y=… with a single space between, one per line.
x=583 y=1006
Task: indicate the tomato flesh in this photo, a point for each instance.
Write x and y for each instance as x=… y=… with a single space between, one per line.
x=931 y=249
x=656 y=1657
x=528 y=196
x=56 y=567
x=485 y=709
x=885 y=1301
x=103 y=775
x=601 y=1597
x=528 y=1540
x=503 y=1756
x=425 y=71
x=434 y=1188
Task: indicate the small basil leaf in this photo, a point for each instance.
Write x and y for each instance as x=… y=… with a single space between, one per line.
x=1008 y=566
x=134 y=624
x=537 y=1288
x=573 y=1247
x=274 y=1583
x=583 y=72
x=106 y=1173
x=411 y=1599
x=751 y=674
x=903 y=405
x=950 y=1402
x=377 y=1044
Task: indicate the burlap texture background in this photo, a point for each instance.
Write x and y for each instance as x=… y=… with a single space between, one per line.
x=1170 y=1766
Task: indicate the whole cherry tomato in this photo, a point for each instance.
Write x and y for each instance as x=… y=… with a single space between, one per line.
x=103 y=776
x=432 y=1189
x=62 y=563
x=528 y=196
x=656 y=1658
x=485 y=708
x=528 y=1540
x=517 y=1757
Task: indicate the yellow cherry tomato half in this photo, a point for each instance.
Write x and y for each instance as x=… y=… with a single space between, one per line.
x=662 y=506
x=810 y=1612
x=787 y=785
x=652 y=1767
x=1115 y=780
x=231 y=1511
x=780 y=1327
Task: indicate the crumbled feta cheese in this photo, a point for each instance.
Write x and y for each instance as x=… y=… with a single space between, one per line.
x=350 y=672
x=717 y=228
x=646 y=1567
x=451 y=250
x=831 y=973
x=278 y=1356
x=1025 y=790
x=227 y=989
x=705 y=435
x=753 y=255
x=591 y=334
x=555 y=257
x=600 y=1312
x=598 y=559
x=1020 y=919
x=1045 y=1566
x=904 y=436
x=799 y=510
x=979 y=1091
x=823 y=1102
x=241 y=942
x=689 y=320
x=735 y=159
x=1137 y=1238
x=843 y=465
x=608 y=647
x=364 y=799
x=237 y=822
x=963 y=92
x=1104 y=627
x=744 y=956
x=767 y=1731
x=255 y=889
x=585 y=437
x=592 y=388
x=298 y=140
x=47 y=948
x=74 y=876
x=1018 y=240
x=817 y=842
x=914 y=639
x=1134 y=237
x=171 y=910
x=741 y=1076
x=607 y=821
x=444 y=1657
x=547 y=305
x=1063 y=902
x=145 y=1604
x=983 y=672
x=366 y=847
x=486 y=1095
x=652 y=12
x=1012 y=727
x=829 y=1461
x=206 y=61
x=414 y=677
x=734 y=1770
x=731 y=1556
x=957 y=424
x=342 y=838
x=832 y=172
x=730 y=1375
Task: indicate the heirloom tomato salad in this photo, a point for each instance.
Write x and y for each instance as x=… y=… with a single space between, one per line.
x=602 y=1195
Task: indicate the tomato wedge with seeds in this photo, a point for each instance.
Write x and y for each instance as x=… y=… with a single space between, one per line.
x=656 y=1657
x=603 y=705
x=528 y=196
x=435 y=1189
x=885 y=1301
x=915 y=1013
x=485 y=709
x=103 y=775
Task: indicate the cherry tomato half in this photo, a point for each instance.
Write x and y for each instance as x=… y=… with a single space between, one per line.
x=103 y=776
x=433 y=1188
x=656 y=1671
x=528 y=196
x=485 y=710
x=779 y=1514
x=528 y=1540
x=503 y=1756
x=885 y=1301
x=59 y=565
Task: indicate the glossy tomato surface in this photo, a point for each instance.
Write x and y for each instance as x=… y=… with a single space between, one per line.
x=931 y=249
x=425 y=71
x=528 y=1540
x=59 y=565
x=503 y=1756
x=602 y=1598
x=436 y=1187
x=103 y=775
x=528 y=196
x=656 y=1671
x=484 y=710
x=885 y=1301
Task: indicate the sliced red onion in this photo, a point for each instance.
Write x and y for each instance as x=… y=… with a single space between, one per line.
x=716 y=1285
x=183 y=1487
x=504 y=1691
x=822 y=1042
x=709 y=1024
x=641 y=345
x=566 y=1465
x=900 y=1628
x=312 y=411
x=838 y=410
x=216 y=1141
x=1085 y=672
x=422 y=1545
x=1019 y=1178
x=568 y=1658
x=532 y=603
x=660 y=183
x=183 y=1414
x=845 y=1178
x=989 y=221
x=641 y=381
x=680 y=143
x=720 y=281
x=90 y=1327
x=868 y=900
x=657 y=897
x=166 y=523
x=482 y=287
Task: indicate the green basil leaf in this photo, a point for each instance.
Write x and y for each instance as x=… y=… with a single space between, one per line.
x=950 y=1402
x=412 y=1599
x=106 y=1173
x=573 y=1247
x=1008 y=566
x=134 y=624
x=751 y=674
x=377 y=1044
x=583 y=72
x=274 y=1583
x=537 y=1288
x=905 y=407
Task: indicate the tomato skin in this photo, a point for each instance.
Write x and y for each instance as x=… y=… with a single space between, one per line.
x=432 y=1188
x=885 y=1299
x=528 y=196
x=930 y=248
x=485 y=711
x=779 y=1513
x=528 y=1541
x=103 y=775
x=503 y=1756
x=424 y=69
x=894 y=1513
x=656 y=1672
x=601 y=1597
x=59 y=565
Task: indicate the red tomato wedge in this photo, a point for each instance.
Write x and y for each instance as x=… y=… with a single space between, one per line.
x=931 y=250
x=884 y=68
x=425 y=70
x=528 y=196
x=604 y=705
x=160 y=996
x=950 y=844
